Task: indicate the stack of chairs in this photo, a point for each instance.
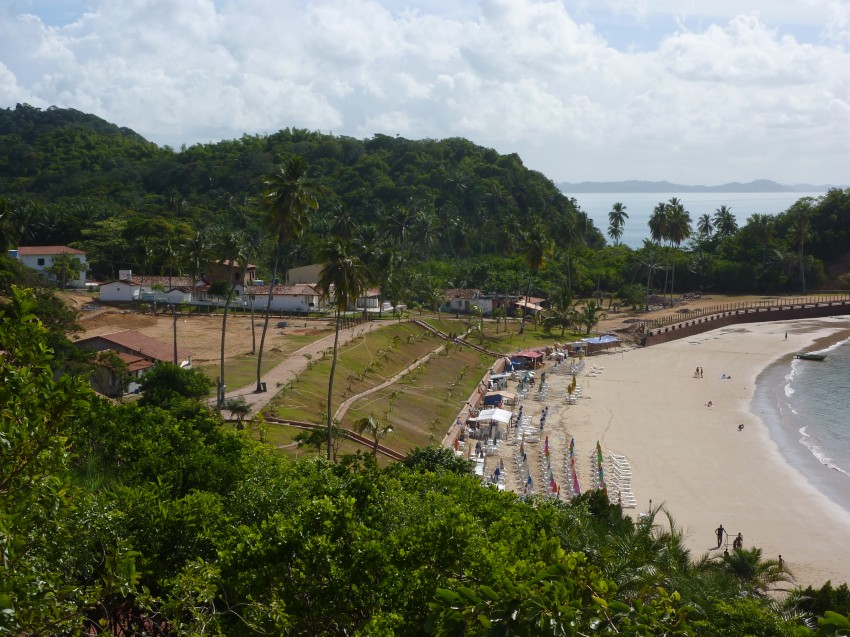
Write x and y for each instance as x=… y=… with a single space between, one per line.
x=572 y=399
x=620 y=481
x=543 y=392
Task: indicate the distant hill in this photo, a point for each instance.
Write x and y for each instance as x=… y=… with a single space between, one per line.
x=759 y=185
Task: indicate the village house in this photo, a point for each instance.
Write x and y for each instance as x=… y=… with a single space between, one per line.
x=138 y=351
x=39 y=258
x=221 y=271
x=462 y=300
x=162 y=289
x=302 y=298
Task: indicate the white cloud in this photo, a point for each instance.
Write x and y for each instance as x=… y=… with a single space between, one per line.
x=724 y=93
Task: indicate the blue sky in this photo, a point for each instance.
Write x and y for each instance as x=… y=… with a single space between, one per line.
x=691 y=91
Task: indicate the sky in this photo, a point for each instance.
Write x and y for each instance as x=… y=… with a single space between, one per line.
x=689 y=91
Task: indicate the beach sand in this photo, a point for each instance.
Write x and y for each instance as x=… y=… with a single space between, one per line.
x=647 y=405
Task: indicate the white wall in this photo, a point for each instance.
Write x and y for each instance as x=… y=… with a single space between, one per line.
x=32 y=262
x=118 y=291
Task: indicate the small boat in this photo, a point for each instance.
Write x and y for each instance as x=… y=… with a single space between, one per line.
x=810 y=356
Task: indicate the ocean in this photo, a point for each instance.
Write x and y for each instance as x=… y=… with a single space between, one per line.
x=806 y=405
x=639 y=207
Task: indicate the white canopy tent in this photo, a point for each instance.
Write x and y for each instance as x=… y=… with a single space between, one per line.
x=499 y=415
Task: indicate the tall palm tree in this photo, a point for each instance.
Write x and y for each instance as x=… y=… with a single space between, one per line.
x=288 y=197
x=724 y=222
x=616 y=220
x=801 y=219
x=704 y=225
x=233 y=248
x=343 y=278
x=538 y=249
x=678 y=229
x=658 y=228
x=649 y=257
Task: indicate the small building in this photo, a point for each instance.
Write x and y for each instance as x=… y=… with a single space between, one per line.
x=160 y=289
x=137 y=344
x=304 y=274
x=302 y=298
x=106 y=381
x=39 y=258
x=231 y=273
x=462 y=300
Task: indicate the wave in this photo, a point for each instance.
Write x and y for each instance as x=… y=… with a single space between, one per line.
x=807 y=441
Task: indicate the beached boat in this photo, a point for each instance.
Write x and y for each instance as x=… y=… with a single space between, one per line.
x=810 y=356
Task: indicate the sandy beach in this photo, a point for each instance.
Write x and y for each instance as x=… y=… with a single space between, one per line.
x=647 y=405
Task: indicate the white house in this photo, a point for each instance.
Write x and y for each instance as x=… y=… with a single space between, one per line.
x=163 y=289
x=301 y=297
x=39 y=258
x=462 y=300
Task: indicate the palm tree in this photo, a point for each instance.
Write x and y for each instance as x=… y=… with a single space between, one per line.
x=649 y=257
x=616 y=220
x=658 y=228
x=538 y=248
x=678 y=229
x=704 y=225
x=724 y=222
x=560 y=317
x=801 y=218
x=751 y=571
x=288 y=197
x=343 y=278
x=589 y=315
x=8 y=227
x=368 y=424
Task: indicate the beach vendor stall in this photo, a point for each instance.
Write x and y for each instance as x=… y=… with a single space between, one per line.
x=528 y=359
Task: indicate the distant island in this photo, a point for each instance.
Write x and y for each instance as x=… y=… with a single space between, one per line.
x=759 y=185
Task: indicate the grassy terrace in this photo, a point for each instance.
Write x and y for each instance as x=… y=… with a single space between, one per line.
x=423 y=404
x=363 y=363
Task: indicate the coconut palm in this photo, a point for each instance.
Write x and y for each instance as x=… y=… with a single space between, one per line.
x=616 y=220
x=658 y=222
x=538 y=248
x=650 y=258
x=704 y=225
x=678 y=229
x=589 y=314
x=724 y=222
x=289 y=196
x=342 y=279
x=801 y=219
x=372 y=426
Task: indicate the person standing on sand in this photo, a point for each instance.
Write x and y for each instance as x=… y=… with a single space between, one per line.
x=719 y=533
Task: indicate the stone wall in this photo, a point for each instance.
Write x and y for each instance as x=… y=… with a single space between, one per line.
x=754 y=315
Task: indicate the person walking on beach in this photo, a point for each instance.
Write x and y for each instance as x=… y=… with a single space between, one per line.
x=719 y=533
x=738 y=542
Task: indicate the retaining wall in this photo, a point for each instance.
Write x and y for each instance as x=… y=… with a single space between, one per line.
x=753 y=315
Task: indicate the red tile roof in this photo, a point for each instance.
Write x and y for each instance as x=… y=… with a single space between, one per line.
x=144 y=345
x=135 y=363
x=32 y=251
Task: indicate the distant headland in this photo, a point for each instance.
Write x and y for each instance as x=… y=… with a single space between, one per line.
x=759 y=185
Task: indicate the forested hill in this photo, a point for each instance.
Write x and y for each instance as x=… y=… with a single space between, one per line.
x=461 y=199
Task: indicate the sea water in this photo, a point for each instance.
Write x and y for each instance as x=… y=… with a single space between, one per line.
x=806 y=405
x=639 y=207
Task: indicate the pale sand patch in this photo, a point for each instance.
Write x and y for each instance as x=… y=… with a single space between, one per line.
x=648 y=406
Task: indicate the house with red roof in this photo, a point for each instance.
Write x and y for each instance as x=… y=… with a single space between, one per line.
x=39 y=258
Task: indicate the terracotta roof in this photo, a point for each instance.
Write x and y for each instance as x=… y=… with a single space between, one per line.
x=462 y=293
x=32 y=251
x=174 y=281
x=297 y=289
x=144 y=345
x=135 y=363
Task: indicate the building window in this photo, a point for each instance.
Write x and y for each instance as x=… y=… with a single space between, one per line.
x=41 y=261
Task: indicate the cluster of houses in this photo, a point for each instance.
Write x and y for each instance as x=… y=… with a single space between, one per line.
x=299 y=294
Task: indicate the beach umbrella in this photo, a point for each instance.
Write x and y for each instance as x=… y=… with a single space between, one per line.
x=529 y=482
x=576 y=488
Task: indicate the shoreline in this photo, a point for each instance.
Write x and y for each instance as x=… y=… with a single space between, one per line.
x=647 y=405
